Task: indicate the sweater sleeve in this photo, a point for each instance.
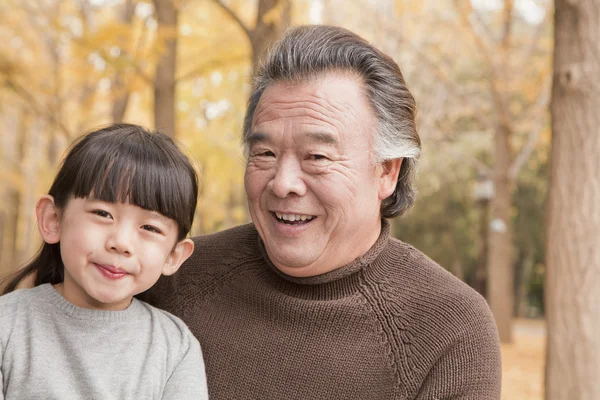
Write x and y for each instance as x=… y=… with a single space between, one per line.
x=1 y=375
x=188 y=380
x=470 y=367
x=8 y=311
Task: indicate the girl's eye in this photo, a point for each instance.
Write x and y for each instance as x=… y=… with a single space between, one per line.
x=151 y=228
x=102 y=213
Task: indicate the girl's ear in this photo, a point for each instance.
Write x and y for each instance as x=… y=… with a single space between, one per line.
x=182 y=251
x=388 y=177
x=48 y=219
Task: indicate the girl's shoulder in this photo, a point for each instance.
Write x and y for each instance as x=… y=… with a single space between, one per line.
x=11 y=305
x=166 y=320
x=20 y=296
x=13 y=299
x=21 y=301
x=173 y=332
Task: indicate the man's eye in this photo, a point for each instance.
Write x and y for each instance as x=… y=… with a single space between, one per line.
x=318 y=157
x=267 y=153
x=102 y=213
x=151 y=228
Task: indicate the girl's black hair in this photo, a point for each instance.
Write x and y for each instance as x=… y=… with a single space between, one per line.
x=121 y=163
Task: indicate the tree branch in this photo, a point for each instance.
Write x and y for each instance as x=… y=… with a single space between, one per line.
x=235 y=17
x=464 y=8
x=509 y=7
x=481 y=167
x=30 y=101
x=210 y=65
x=435 y=68
x=527 y=149
x=484 y=26
x=537 y=35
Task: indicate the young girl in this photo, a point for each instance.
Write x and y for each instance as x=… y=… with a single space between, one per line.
x=115 y=219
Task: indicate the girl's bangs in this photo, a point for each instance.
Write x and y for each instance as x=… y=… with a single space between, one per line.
x=138 y=174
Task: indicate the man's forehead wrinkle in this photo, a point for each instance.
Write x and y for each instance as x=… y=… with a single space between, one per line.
x=312 y=100
x=332 y=104
x=325 y=111
x=269 y=115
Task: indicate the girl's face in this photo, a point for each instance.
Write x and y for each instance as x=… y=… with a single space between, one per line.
x=111 y=251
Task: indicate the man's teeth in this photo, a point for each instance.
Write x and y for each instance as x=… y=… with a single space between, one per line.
x=294 y=217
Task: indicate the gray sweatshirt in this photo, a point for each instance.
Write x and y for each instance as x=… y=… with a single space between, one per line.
x=52 y=349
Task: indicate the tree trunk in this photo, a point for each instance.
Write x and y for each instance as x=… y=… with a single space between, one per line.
x=11 y=144
x=500 y=268
x=520 y=274
x=481 y=268
x=164 y=80
x=14 y=196
x=272 y=19
x=573 y=215
x=119 y=85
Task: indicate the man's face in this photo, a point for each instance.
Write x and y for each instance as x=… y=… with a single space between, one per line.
x=313 y=191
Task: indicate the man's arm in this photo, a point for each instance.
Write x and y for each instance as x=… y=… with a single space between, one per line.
x=470 y=368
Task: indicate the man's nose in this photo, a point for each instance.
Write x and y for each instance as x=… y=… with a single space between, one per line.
x=288 y=179
x=120 y=240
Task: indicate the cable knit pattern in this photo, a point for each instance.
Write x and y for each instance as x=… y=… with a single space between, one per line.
x=390 y=325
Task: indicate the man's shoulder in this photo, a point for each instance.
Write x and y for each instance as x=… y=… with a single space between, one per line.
x=216 y=258
x=421 y=304
x=421 y=270
x=224 y=247
x=431 y=293
x=239 y=236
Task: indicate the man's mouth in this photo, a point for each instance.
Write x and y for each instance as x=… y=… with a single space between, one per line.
x=293 y=219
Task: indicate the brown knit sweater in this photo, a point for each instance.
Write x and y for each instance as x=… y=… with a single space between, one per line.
x=390 y=325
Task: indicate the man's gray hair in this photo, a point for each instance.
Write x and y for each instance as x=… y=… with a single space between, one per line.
x=306 y=52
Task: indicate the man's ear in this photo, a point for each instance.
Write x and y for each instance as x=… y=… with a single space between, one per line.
x=48 y=219
x=389 y=177
x=182 y=251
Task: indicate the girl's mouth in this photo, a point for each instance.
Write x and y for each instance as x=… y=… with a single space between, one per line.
x=111 y=272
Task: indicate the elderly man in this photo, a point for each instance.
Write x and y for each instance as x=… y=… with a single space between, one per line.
x=315 y=299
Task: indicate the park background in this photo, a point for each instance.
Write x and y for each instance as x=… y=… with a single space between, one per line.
x=481 y=72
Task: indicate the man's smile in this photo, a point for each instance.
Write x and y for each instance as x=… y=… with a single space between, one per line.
x=293 y=219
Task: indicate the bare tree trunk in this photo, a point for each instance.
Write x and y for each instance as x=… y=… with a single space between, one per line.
x=164 y=80
x=481 y=272
x=573 y=213
x=10 y=138
x=272 y=19
x=520 y=274
x=30 y=171
x=15 y=197
x=119 y=85
x=500 y=267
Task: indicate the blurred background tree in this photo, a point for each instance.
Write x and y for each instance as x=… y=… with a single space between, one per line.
x=573 y=232
x=480 y=71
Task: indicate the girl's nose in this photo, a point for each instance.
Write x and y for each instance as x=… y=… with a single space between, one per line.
x=120 y=241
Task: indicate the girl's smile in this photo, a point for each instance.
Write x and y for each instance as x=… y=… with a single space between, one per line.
x=111 y=272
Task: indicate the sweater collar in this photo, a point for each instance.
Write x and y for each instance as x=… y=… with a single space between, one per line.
x=51 y=297
x=340 y=273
